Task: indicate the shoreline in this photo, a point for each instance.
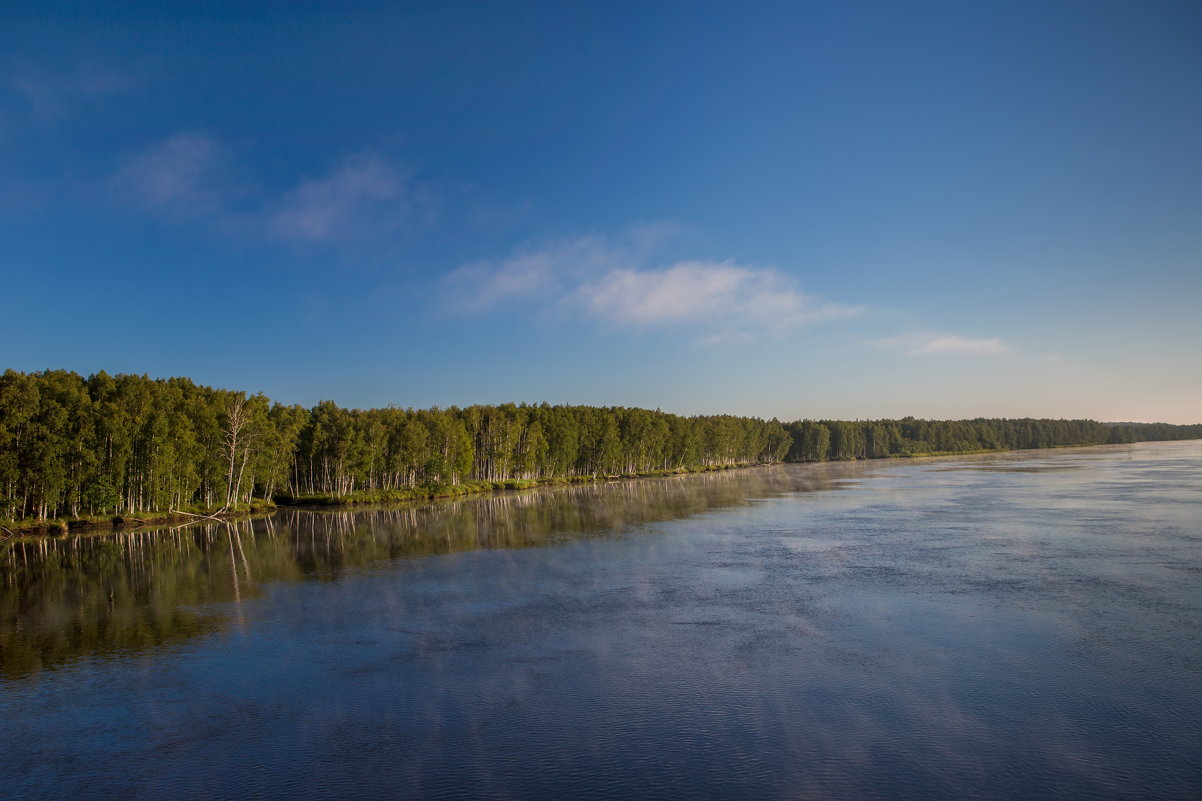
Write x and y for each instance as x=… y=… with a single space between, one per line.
x=110 y=523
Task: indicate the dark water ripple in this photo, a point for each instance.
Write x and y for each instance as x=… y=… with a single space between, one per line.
x=1023 y=626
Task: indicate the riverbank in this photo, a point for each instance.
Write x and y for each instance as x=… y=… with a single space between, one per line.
x=60 y=526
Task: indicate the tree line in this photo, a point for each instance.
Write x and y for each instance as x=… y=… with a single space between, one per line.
x=823 y=440
x=73 y=447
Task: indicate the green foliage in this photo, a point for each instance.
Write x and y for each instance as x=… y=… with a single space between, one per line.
x=821 y=440
x=130 y=446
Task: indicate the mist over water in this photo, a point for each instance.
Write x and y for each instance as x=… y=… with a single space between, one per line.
x=1017 y=625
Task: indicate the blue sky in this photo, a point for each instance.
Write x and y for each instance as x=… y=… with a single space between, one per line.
x=848 y=210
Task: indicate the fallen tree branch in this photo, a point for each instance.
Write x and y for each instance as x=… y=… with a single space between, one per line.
x=201 y=517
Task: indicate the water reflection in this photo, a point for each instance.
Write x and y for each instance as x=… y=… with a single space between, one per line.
x=66 y=597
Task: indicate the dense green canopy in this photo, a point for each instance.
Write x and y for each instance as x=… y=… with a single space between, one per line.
x=128 y=444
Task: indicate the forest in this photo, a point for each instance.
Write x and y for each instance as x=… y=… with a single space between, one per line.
x=75 y=448
x=834 y=440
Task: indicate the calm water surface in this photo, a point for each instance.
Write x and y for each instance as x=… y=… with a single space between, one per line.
x=1025 y=625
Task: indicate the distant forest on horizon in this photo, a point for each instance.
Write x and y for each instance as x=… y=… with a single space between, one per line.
x=127 y=444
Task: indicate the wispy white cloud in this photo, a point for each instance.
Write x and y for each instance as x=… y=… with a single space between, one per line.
x=54 y=95
x=614 y=282
x=364 y=193
x=548 y=270
x=935 y=344
x=728 y=300
x=188 y=175
x=174 y=177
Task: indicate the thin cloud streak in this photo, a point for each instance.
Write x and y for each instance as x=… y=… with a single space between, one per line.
x=935 y=344
x=52 y=96
x=963 y=345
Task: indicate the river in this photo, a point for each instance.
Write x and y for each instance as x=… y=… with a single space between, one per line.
x=1022 y=625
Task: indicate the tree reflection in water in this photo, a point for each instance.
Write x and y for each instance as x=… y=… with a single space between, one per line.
x=63 y=598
